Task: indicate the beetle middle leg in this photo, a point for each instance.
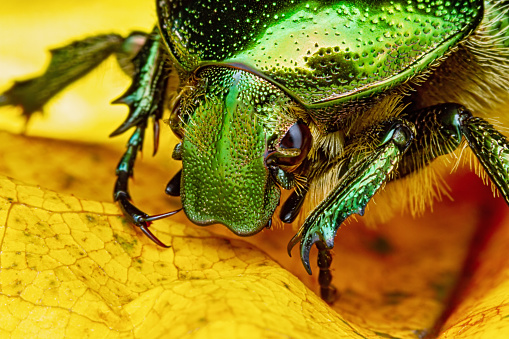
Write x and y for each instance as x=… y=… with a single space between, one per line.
x=68 y=64
x=146 y=99
x=441 y=129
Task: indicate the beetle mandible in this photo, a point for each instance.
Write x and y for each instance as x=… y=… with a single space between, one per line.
x=330 y=98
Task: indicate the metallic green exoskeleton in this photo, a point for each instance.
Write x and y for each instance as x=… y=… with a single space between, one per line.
x=331 y=98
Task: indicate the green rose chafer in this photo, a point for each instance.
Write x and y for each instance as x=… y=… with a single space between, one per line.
x=332 y=99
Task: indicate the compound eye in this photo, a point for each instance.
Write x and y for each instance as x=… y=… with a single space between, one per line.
x=174 y=120
x=299 y=137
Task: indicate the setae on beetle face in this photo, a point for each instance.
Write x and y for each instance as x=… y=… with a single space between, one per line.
x=332 y=99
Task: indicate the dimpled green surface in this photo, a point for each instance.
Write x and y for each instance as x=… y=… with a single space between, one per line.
x=319 y=51
x=230 y=119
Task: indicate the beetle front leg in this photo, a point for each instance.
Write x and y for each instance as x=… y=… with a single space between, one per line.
x=121 y=191
x=356 y=188
x=145 y=98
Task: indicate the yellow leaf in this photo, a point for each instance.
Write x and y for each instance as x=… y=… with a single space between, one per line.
x=70 y=267
x=59 y=251
x=73 y=268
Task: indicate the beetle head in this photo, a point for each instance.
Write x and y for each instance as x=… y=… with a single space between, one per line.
x=241 y=142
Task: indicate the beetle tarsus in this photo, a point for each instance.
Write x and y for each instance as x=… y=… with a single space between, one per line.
x=160 y=216
x=327 y=291
x=140 y=218
x=152 y=237
x=121 y=191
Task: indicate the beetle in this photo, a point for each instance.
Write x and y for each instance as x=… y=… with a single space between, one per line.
x=332 y=99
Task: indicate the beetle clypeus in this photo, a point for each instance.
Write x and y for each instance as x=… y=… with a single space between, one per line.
x=330 y=98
